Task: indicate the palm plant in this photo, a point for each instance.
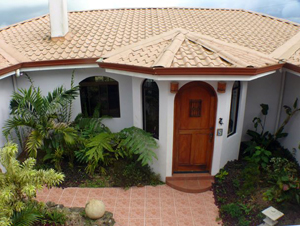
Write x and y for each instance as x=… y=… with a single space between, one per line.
x=41 y=117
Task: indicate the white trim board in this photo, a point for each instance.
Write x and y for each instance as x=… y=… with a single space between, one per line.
x=191 y=78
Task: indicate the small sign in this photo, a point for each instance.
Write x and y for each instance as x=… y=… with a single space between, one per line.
x=219 y=132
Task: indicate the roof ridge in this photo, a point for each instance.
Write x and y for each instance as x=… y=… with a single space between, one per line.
x=224 y=54
x=233 y=45
x=140 y=8
x=272 y=17
x=23 y=22
x=167 y=56
x=151 y=40
x=199 y=8
x=286 y=50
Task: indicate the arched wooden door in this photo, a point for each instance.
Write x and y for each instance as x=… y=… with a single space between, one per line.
x=194 y=126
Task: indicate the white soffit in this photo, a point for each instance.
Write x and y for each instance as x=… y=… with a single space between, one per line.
x=191 y=77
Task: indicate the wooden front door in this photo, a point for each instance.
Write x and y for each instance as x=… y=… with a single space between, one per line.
x=195 y=115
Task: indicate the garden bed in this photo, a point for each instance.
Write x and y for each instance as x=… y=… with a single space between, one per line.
x=241 y=198
x=122 y=173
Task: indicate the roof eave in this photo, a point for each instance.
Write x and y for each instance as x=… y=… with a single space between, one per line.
x=47 y=63
x=191 y=71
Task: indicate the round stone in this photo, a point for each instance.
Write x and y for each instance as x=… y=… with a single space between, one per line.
x=94 y=209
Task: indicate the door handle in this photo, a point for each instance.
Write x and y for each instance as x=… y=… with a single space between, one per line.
x=211 y=134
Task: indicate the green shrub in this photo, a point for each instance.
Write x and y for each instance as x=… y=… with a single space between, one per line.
x=262 y=138
x=54 y=217
x=233 y=209
x=283 y=176
x=260 y=157
x=222 y=175
x=20 y=182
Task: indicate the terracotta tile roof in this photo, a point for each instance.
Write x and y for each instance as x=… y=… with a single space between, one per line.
x=295 y=58
x=97 y=32
x=3 y=62
x=181 y=48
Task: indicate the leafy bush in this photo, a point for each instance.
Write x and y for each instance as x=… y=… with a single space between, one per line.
x=54 y=217
x=265 y=139
x=233 y=209
x=283 y=176
x=20 y=182
x=222 y=174
x=260 y=157
x=238 y=212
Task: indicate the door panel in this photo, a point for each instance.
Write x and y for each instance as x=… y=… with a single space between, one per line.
x=184 y=155
x=194 y=118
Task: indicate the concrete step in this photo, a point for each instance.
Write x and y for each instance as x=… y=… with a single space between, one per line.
x=191 y=183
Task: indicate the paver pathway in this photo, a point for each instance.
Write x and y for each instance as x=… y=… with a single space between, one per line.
x=145 y=206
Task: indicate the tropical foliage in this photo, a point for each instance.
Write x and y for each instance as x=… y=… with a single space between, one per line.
x=267 y=174
x=100 y=147
x=44 y=120
x=265 y=139
x=19 y=183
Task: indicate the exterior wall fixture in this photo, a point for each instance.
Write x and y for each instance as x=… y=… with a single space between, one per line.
x=221 y=87
x=174 y=87
x=221 y=121
x=272 y=215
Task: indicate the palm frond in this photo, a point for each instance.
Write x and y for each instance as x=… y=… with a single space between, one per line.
x=34 y=142
x=15 y=122
x=60 y=97
x=69 y=133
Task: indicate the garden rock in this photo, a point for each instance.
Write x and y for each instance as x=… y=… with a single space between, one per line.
x=105 y=220
x=94 y=209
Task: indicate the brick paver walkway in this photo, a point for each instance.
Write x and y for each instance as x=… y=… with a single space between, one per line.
x=145 y=206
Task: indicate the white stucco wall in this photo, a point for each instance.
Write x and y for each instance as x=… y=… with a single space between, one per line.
x=291 y=92
x=265 y=90
x=231 y=144
x=163 y=165
x=6 y=90
x=48 y=80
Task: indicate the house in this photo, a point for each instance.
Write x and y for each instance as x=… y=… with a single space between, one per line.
x=192 y=77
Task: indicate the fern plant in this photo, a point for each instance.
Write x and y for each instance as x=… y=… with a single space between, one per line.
x=19 y=184
x=96 y=149
x=137 y=141
x=105 y=147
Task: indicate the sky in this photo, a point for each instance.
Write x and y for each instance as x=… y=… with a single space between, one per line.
x=13 y=11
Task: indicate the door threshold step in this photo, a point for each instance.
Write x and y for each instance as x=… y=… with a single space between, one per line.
x=190 y=183
x=190 y=176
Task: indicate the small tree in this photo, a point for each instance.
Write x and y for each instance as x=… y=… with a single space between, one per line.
x=20 y=182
